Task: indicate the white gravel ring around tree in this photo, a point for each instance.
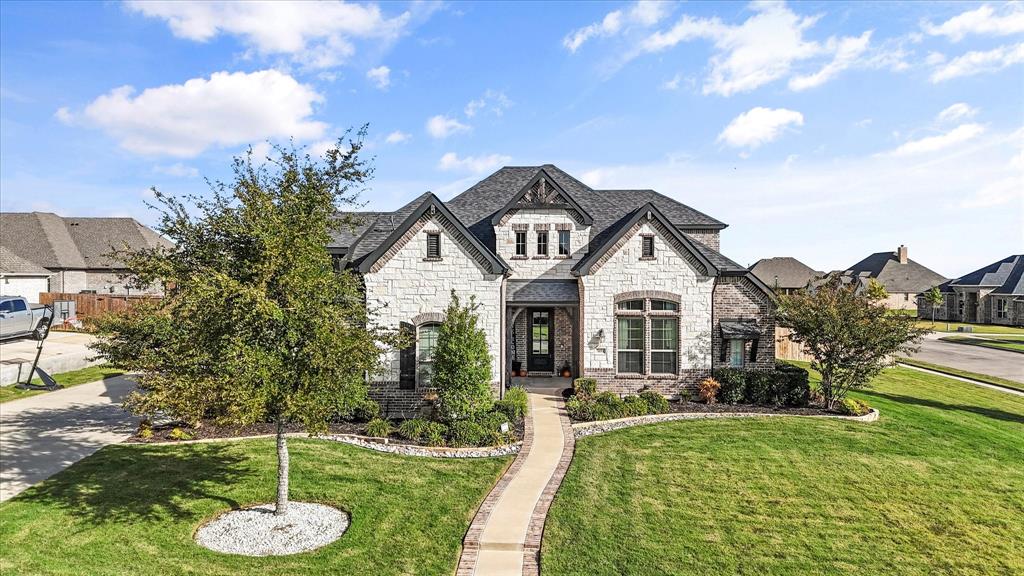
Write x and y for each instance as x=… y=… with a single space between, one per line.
x=256 y=531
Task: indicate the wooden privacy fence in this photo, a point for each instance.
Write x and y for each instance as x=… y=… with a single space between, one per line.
x=92 y=305
x=786 y=349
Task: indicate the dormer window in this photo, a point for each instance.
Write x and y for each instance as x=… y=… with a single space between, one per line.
x=433 y=246
x=563 y=243
x=647 y=250
x=521 y=243
x=542 y=243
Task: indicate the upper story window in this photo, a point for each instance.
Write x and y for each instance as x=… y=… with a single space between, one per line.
x=648 y=247
x=520 y=243
x=564 y=246
x=542 y=243
x=647 y=339
x=433 y=246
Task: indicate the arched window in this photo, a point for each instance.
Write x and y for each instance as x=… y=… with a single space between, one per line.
x=426 y=341
x=647 y=336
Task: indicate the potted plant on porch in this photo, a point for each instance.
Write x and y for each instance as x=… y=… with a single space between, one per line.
x=566 y=372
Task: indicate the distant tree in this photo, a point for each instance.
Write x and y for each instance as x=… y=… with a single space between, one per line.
x=462 y=363
x=875 y=290
x=935 y=299
x=851 y=336
x=259 y=326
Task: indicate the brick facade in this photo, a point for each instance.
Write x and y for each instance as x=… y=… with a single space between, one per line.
x=739 y=298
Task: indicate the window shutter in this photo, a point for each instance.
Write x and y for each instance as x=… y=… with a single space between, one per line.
x=407 y=359
x=648 y=247
x=753 y=350
x=433 y=245
x=724 y=346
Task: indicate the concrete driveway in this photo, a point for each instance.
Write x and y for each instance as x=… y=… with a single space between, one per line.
x=999 y=363
x=44 y=434
x=62 y=352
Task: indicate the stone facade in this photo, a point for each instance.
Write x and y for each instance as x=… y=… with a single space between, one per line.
x=974 y=305
x=535 y=266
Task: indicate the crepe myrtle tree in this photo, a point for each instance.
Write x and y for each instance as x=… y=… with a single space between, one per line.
x=851 y=336
x=257 y=325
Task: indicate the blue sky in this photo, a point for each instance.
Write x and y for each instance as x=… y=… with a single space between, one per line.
x=824 y=131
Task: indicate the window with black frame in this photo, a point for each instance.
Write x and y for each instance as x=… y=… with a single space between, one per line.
x=647 y=329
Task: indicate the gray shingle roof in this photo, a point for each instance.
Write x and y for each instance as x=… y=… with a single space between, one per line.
x=11 y=263
x=1007 y=275
x=784 y=272
x=55 y=242
x=543 y=291
x=475 y=207
x=885 y=267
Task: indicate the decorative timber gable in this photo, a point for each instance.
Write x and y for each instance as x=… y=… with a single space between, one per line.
x=542 y=192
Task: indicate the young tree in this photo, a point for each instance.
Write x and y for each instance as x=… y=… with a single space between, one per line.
x=257 y=325
x=462 y=363
x=875 y=290
x=935 y=299
x=851 y=336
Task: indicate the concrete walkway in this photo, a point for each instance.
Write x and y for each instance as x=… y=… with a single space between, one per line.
x=505 y=536
x=44 y=434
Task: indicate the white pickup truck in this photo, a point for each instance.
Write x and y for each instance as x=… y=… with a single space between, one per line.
x=18 y=318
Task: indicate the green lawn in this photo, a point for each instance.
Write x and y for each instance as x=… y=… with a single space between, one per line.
x=1011 y=343
x=73 y=378
x=940 y=326
x=936 y=486
x=965 y=374
x=132 y=509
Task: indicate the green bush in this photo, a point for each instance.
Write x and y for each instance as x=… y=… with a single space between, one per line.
x=462 y=363
x=585 y=387
x=434 y=434
x=607 y=405
x=853 y=407
x=364 y=410
x=413 y=429
x=656 y=403
x=466 y=433
x=733 y=384
x=685 y=395
x=179 y=434
x=635 y=406
x=760 y=388
x=580 y=409
x=792 y=385
x=378 y=428
x=514 y=405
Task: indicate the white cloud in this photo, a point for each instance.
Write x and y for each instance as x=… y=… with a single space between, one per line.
x=956 y=112
x=442 y=126
x=494 y=101
x=759 y=126
x=63 y=114
x=397 y=137
x=672 y=84
x=319 y=149
x=983 y=21
x=473 y=164
x=847 y=51
x=316 y=34
x=644 y=13
x=380 y=76
x=226 y=109
x=977 y=62
x=996 y=193
x=958 y=135
x=178 y=170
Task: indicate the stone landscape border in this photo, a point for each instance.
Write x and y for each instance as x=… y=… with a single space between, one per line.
x=376 y=444
x=581 y=429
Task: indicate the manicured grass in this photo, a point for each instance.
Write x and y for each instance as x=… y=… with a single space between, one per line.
x=940 y=326
x=132 y=509
x=73 y=378
x=1010 y=343
x=965 y=374
x=936 y=486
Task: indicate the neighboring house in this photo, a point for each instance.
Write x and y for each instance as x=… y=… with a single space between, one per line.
x=784 y=274
x=990 y=295
x=624 y=286
x=70 y=253
x=19 y=277
x=901 y=277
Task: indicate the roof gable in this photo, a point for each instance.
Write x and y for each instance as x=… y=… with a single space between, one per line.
x=1007 y=275
x=885 y=267
x=542 y=191
x=784 y=272
x=647 y=212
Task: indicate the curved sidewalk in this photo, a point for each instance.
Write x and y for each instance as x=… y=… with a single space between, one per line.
x=504 y=538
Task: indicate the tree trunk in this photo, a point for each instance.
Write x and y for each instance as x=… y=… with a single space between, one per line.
x=282 y=471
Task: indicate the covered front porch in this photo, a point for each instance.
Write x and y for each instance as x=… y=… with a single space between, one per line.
x=542 y=317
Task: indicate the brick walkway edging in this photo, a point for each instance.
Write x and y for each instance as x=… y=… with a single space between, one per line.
x=531 y=549
x=471 y=542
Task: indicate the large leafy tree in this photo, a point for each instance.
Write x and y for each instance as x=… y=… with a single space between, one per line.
x=851 y=336
x=462 y=363
x=257 y=325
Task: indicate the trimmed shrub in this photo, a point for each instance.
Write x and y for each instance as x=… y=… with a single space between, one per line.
x=413 y=429
x=607 y=405
x=656 y=403
x=514 y=405
x=466 y=433
x=760 y=388
x=635 y=406
x=708 y=390
x=434 y=434
x=366 y=410
x=580 y=409
x=585 y=387
x=685 y=395
x=492 y=421
x=179 y=434
x=378 y=428
x=853 y=407
x=733 y=385
x=792 y=385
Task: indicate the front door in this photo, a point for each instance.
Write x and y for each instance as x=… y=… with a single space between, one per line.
x=540 y=343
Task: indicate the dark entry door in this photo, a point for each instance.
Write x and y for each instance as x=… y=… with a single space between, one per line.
x=540 y=343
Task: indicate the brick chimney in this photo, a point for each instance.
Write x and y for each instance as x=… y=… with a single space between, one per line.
x=901 y=252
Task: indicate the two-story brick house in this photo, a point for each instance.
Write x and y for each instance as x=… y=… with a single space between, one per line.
x=625 y=286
